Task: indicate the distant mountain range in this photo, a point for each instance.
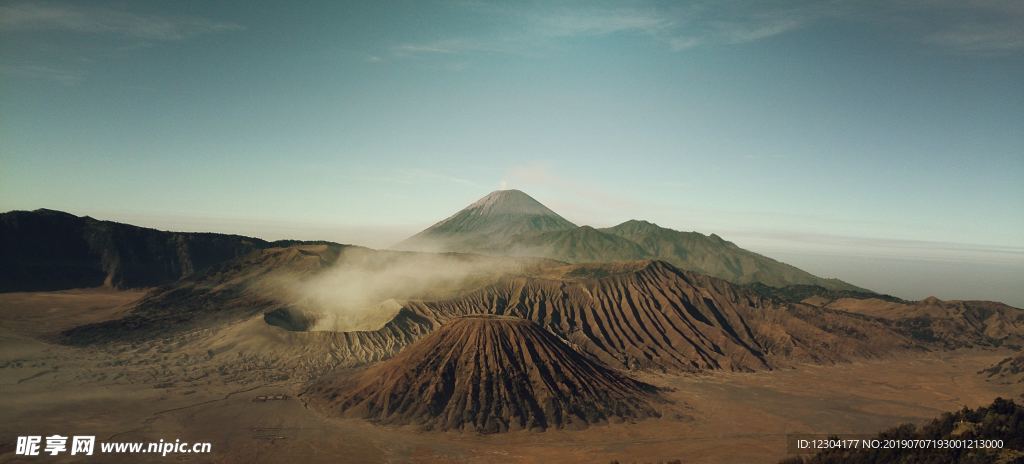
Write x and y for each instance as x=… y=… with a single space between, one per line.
x=53 y=250
x=510 y=222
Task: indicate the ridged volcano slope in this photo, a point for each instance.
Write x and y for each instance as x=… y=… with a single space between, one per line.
x=639 y=315
x=648 y=315
x=488 y=374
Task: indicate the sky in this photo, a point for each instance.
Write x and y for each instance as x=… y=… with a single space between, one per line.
x=881 y=142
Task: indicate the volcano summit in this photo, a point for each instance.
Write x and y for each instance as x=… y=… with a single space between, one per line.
x=499 y=217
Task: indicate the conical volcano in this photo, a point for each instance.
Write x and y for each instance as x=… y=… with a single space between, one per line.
x=488 y=374
x=495 y=218
x=511 y=223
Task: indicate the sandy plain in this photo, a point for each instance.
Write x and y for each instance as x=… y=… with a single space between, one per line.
x=717 y=417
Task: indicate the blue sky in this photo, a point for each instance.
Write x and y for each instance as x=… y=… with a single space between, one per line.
x=877 y=141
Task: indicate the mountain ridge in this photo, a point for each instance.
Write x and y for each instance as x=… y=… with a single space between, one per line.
x=510 y=222
x=717 y=257
x=47 y=249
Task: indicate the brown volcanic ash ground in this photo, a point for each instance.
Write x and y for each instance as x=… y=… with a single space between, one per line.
x=489 y=374
x=636 y=315
x=644 y=315
x=652 y=316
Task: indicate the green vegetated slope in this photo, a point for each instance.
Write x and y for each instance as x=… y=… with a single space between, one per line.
x=510 y=222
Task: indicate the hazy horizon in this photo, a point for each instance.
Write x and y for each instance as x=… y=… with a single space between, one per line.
x=908 y=269
x=878 y=142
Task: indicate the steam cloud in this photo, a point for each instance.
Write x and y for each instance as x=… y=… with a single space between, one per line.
x=365 y=289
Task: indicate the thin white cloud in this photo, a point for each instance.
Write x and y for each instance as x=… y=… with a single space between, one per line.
x=528 y=32
x=967 y=26
x=94 y=20
x=742 y=32
x=431 y=47
x=600 y=22
x=956 y=25
x=28 y=71
x=422 y=176
x=458 y=46
x=980 y=37
x=683 y=43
